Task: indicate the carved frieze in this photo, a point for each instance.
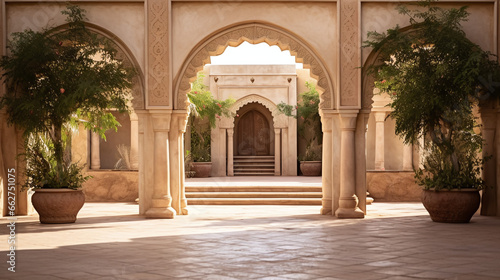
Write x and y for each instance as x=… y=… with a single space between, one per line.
x=158 y=53
x=349 y=53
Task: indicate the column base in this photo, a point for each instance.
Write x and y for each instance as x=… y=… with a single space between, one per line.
x=160 y=213
x=325 y=211
x=349 y=213
x=326 y=208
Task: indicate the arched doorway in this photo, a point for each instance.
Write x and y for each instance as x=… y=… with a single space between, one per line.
x=253 y=132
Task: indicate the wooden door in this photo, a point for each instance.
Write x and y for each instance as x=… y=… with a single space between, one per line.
x=253 y=135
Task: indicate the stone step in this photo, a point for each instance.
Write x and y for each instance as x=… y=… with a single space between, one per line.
x=254 y=201
x=252 y=164
x=255 y=170
x=254 y=195
x=253 y=157
x=253 y=173
x=253 y=189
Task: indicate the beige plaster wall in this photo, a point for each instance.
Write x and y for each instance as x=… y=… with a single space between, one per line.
x=315 y=24
x=112 y=186
x=480 y=28
x=393 y=148
x=385 y=186
x=125 y=20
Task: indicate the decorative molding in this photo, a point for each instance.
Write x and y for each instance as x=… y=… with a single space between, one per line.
x=279 y=120
x=253 y=33
x=158 y=52
x=349 y=53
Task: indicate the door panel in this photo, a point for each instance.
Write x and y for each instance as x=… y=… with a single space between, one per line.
x=253 y=135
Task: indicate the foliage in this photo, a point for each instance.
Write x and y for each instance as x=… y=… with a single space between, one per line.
x=41 y=161
x=309 y=124
x=204 y=107
x=188 y=159
x=435 y=77
x=200 y=145
x=55 y=77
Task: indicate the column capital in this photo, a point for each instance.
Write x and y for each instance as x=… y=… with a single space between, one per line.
x=181 y=116
x=348 y=119
x=230 y=132
x=380 y=116
x=133 y=117
x=161 y=120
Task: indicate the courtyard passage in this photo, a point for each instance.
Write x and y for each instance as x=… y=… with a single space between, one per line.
x=395 y=241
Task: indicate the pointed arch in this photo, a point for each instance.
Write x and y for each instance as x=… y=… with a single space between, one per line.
x=253 y=33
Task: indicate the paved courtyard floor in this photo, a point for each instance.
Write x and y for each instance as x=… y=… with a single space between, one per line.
x=395 y=241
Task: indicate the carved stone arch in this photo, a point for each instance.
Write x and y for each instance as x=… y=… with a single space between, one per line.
x=279 y=120
x=253 y=33
x=368 y=81
x=124 y=54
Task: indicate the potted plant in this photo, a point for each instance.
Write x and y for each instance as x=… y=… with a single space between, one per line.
x=55 y=80
x=308 y=128
x=204 y=111
x=436 y=77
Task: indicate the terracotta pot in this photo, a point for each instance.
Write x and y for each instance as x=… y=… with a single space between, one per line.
x=451 y=206
x=310 y=168
x=201 y=169
x=58 y=206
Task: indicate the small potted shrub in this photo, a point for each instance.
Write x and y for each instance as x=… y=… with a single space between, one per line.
x=308 y=128
x=57 y=79
x=204 y=111
x=436 y=77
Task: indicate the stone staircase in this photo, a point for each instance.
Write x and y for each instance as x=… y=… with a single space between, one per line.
x=253 y=165
x=253 y=195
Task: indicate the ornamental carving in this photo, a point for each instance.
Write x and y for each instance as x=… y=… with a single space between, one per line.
x=254 y=33
x=158 y=59
x=349 y=53
x=279 y=120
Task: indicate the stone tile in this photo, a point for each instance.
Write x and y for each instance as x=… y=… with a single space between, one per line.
x=396 y=241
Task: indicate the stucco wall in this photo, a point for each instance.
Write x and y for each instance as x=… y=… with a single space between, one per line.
x=112 y=186
x=124 y=20
x=480 y=28
x=386 y=186
x=315 y=24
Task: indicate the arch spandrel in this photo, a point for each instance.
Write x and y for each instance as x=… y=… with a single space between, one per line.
x=124 y=54
x=254 y=33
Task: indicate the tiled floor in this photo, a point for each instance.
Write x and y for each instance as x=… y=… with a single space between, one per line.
x=395 y=241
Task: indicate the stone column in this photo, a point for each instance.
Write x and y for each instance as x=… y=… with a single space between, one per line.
x=177 y=128
x=182 y=131
x=277 y=152
x=146 y=156
x=408 y=157
x=379 y=140
x=327 y=172
x=95 y=154
x=285 y=164
x=134 y=141
x=162 y=199
x=230 y=152
x=348 y=202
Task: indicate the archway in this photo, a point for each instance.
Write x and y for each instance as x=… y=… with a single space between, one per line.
x=253 y=33
x=253 y=132
x=256 y=32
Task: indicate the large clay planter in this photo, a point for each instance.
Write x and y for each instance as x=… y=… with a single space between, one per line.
x=451 y=206
x=201 y=169
x=310 y=168
x=57 y=206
